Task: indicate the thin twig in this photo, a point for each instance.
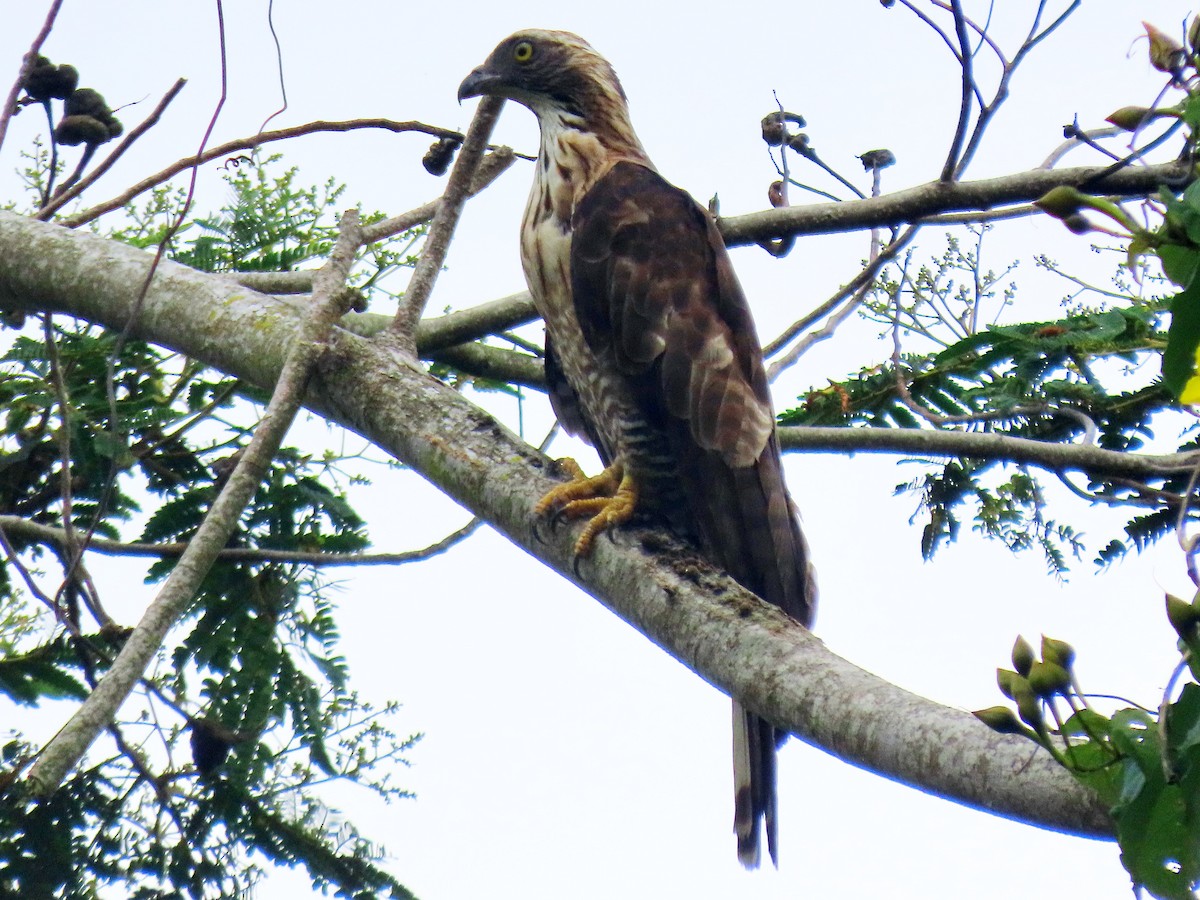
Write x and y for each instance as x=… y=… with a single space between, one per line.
x=46 y=534
x=68 y=746
x=856 y=289
x=404 y=327
x=951 y=168
x=230 y=148
x=1052 y=456
x=492 y=167
x=27 y=61
x=69 y=191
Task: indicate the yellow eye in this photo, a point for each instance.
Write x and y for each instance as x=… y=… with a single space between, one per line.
x=523 y=52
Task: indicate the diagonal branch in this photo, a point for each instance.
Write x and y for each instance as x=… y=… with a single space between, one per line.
x=437 y=243
x=1094 y=461
x=703 y=618
x=936 y=197
x=67 y=747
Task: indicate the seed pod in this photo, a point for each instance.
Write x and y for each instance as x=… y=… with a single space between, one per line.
x=774 y=132
x=440 y=154
x=877 y=159
x=86 y=102
x=75 y=130
x=46 y=80
x=1022 y=656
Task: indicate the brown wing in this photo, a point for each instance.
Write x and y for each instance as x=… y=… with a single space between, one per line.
x=652 y=282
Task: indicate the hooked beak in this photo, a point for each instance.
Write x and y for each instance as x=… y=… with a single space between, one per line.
x=480 y=82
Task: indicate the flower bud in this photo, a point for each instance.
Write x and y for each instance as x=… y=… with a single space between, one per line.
x=1000 y=719
x=1183 y=617
x=1130 y=118
x=1047 y=679
x=1077 y=224
x=1058 y=652
x=1061 y=202
x=1022 y=656
x=1165 y=53
x=1009 y=682
x=1030 y=709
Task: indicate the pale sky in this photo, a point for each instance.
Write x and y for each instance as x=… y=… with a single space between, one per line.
x=566 y=756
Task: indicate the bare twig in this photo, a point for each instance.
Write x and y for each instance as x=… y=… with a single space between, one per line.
x=955 y=157
x=27 y=61
x=935 y=197
x=248 y=143
x=856 y=290
x=1056 y=457
x=68 y=746
x=490 y=168
x=46 y=534
x=69 y=191
x=403 y=331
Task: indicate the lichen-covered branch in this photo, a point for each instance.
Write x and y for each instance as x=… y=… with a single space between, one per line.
x=306 y=343
x=934 y=198
x=700 y=616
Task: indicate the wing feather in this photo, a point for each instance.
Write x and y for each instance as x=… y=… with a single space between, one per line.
x=653 y=288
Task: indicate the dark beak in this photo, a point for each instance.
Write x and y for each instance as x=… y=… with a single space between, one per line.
x=479 y=82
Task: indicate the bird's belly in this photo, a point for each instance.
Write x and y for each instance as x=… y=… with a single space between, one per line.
x=615 y=417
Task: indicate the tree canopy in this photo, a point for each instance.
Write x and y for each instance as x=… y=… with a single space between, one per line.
x=160 y=349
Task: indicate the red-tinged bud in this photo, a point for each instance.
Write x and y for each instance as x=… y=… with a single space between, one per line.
x=1130 y=118
x=1166 y=54
x=775 y=195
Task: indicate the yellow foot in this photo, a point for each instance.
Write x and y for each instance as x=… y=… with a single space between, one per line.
x=605 y=500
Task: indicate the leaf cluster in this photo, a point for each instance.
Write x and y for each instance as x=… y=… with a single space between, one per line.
x=220 y=760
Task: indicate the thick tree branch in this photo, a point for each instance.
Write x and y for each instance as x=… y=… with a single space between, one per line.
x=305 y=347
x=703 y=618
x=938 y=197
x=1091 y=460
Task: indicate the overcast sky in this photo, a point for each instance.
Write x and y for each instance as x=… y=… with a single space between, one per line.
x=566 y=756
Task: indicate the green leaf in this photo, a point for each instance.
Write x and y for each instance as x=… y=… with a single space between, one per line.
x=1179 y=263
x=1179 y=359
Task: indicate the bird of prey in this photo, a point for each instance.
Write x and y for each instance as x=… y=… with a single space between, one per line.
x=652 y=355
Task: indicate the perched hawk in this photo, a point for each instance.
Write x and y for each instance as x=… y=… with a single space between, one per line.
x=651 y=353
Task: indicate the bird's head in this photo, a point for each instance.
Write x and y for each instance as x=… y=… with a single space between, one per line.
x=548 y=71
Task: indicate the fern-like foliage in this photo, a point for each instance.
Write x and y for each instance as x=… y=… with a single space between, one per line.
x=1059 y=380
x=217 y=766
